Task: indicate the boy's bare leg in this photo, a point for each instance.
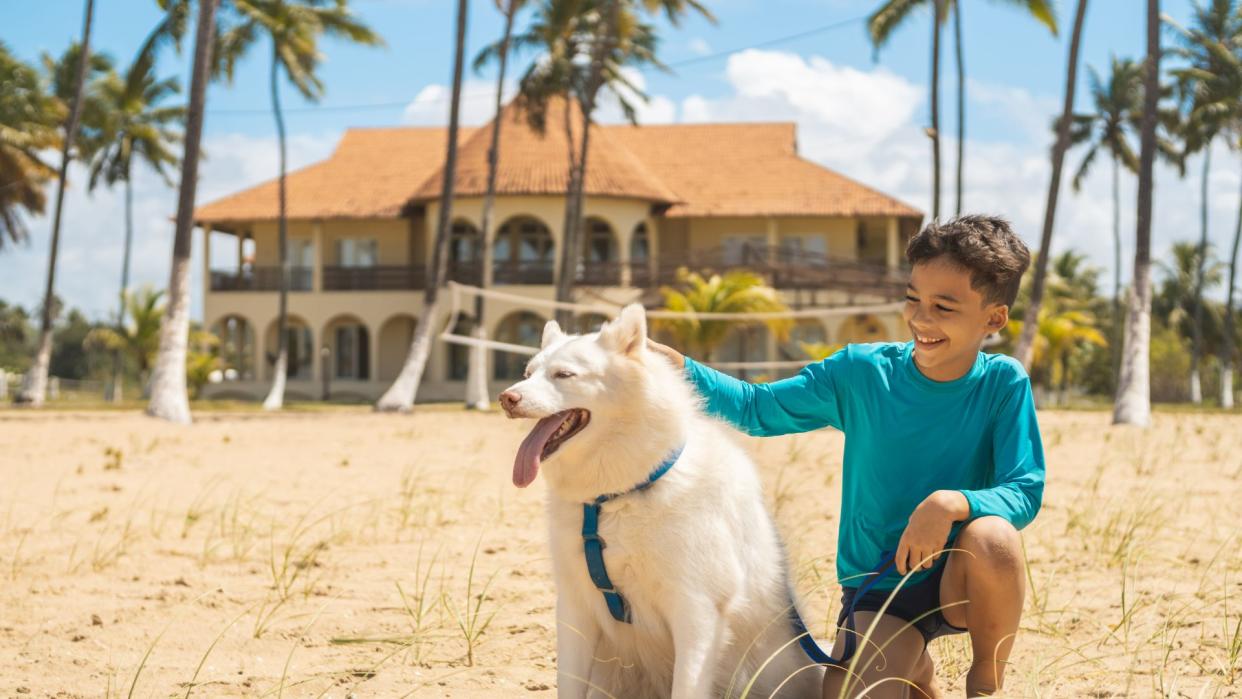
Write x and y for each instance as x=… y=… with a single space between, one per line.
x=924 y=679
x=893 y=651
x=988 y=574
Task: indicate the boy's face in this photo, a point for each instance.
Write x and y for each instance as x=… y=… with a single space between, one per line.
x=948 y=320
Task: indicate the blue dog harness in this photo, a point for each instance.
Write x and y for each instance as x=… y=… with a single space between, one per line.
x=593 y=543
x=593 y=546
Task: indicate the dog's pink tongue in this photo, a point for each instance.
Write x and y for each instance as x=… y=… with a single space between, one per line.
x=526 y=465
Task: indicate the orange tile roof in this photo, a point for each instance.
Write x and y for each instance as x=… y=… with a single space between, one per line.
x=371 y=174
x=750 y=169
x=537 y=163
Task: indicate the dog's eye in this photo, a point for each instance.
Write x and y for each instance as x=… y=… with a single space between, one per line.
x=562 y=374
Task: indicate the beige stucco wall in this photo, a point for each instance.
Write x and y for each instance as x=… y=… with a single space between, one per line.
x=389 y=316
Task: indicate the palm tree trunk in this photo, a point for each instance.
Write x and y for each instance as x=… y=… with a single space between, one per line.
x=1133 y=402
x=1024 y=350
x=169 y=399
x=478 y=397
x=276 y=396
x=1118 y=325
x=1226 y=368
x=1196 y=343
x=118 y=357
x=400 y=396
x=34 y=388
x=569 y=260
x=934 y=131
x=961 y=104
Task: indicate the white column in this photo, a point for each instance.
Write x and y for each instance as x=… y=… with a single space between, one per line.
x=894 y=255
x=317 y=256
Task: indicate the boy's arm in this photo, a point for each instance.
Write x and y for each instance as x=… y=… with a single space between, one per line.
x=801 y=403
x=1018 y=456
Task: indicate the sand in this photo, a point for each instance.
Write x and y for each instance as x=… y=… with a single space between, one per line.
x=328 y=553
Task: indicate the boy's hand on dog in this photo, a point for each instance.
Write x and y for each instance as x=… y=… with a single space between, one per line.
x=677 y=358
x=928 y=529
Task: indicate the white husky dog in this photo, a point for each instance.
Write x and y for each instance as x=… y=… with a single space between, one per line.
x=695 y=555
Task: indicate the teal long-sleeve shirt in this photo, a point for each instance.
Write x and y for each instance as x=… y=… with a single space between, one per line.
x=906 y=436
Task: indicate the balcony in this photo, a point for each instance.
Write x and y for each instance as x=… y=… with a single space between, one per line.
x=381 y=278
x=261 y=279
x=523 y=272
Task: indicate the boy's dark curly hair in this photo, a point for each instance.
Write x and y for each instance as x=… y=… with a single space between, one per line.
x=986 y=246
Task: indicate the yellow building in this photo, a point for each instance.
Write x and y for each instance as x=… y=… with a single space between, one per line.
x=362 y=226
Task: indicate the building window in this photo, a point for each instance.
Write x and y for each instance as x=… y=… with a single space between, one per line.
x=357 y=252
x=523 y=252
x=599 y=244
x=299 y=346
x=640 y=245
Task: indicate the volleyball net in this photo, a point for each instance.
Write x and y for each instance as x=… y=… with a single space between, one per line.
x=753 y=344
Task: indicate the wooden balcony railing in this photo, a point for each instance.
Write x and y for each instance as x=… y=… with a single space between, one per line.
x=261 y=279
x=780 y=268
x=382 y=278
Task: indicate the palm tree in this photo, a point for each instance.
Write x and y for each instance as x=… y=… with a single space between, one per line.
x=892 y=14
x=138 y=337
x=738 y=291
x=1185 y=277
x=29 y=123
x=137 y=125
x=169 y=400
x=1117 y=106
x=587 y=44
x=477 y=395
x=1023 y=350
x=1212 y=75
x=400 y=396
x=34 y=387
x=1133 y=402
x=294 y=27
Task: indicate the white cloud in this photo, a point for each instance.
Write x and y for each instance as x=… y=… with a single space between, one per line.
x=430 y=107
x=88 y=270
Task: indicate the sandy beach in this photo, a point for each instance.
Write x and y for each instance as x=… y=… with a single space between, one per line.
x=340 y=553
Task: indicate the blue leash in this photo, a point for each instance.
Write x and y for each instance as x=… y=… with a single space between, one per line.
x=593 y=544
x=811 y=648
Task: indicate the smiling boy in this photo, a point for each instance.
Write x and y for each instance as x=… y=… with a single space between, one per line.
x=942 y=451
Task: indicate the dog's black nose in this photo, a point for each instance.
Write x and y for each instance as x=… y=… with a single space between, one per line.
x=509 y=400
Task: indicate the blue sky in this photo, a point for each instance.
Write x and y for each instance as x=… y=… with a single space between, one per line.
x=859 y=116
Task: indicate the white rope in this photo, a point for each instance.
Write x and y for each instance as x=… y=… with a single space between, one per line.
x=489 y=344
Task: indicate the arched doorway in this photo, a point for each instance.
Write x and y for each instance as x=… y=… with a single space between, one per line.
x=349 y=348
x=395 y=336
x=862 y=327
x=459 y=355
x=517 y=328
x=237 y=351
x=523 y=253
x=301 y=349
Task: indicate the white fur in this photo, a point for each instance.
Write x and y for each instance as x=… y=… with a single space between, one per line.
x=696 y=555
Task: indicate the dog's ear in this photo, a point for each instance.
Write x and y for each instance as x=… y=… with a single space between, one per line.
x=551 y=333
x=628 y=333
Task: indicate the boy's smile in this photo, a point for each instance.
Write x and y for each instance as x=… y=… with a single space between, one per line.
x=948 y=319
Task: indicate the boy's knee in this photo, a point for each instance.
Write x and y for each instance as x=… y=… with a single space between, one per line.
x=991 y=542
